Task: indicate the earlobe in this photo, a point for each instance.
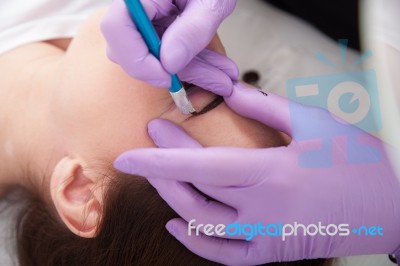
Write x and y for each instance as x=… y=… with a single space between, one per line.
x=73 y=192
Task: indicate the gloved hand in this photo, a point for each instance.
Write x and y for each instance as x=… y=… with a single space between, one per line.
x=187 y=27
x=351 y=183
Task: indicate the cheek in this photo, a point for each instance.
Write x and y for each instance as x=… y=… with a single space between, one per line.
x=112 y=132
x=106 y=112
x=99 y=124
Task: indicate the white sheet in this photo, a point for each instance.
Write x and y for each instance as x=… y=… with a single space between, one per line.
x=279 y=46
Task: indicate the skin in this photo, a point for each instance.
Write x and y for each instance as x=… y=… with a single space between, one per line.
x=67 y=112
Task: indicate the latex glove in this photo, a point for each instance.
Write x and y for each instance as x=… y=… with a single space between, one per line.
x=187 y=27
x=275 y=185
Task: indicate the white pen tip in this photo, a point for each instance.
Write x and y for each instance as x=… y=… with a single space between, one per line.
x=182 y=102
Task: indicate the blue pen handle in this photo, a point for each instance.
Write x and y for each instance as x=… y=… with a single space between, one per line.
x=149 y=35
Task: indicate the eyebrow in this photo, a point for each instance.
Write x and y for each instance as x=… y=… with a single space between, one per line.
x=213 y=104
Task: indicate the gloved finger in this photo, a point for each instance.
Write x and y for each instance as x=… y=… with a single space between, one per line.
x=233 y=195
x=125 y=46
x=222 y=62
x=166 y=134
x=211 y=71
x=192 y=31
x=182 y=197
x=191 y=205
x=225 y=251
x=160 y=9
x=208 y=166
x=270 y=109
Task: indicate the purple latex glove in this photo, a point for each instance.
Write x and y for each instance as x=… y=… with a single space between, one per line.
x=275 y=185
x=187 y=27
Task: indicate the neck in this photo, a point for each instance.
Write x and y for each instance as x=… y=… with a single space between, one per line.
x=24 y=96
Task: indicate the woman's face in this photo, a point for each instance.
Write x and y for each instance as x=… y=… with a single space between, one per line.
x=95 y=112
x=99 y=111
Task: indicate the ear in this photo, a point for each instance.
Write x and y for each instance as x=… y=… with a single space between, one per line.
x=75 y=197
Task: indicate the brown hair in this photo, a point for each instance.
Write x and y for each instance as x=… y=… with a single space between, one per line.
x=131 y=232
